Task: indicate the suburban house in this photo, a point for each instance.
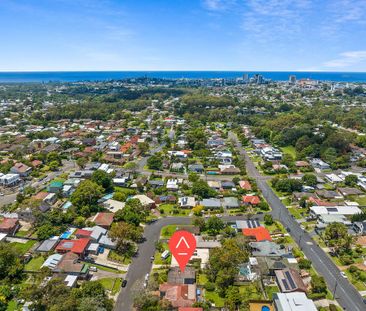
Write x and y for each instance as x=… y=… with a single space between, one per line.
x=182 y=295
x=289 y=280
x=103 y=220
x=251 y=199
x=187 y=202
x=9 y=180
x=296 y=301
x=9 y=225
x=211 y=203
x=258 y=234
x=21 y=169
x=78 y=246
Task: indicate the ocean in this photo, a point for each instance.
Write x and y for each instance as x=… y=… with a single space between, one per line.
x=73 y=76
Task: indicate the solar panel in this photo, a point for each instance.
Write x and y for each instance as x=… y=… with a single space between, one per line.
x=332 y=209
x=68 y=244
x=289 y=278
x=285 y=284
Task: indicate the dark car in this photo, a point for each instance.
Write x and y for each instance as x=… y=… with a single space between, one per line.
x=124 y=283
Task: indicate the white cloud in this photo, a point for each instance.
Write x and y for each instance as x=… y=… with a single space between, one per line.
x=218 y=5
x=274 y=20
x=347 y=59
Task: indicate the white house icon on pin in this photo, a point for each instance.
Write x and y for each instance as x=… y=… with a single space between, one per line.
x=182 y=240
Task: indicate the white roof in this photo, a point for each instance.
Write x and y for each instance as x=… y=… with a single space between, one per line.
x=70 y=280
x=337 y=210
x=333 y=177
x=294 y=302
x=145 y=200
x=114 y=205
x=2 y=236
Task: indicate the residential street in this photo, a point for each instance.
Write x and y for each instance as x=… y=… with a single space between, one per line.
x=141 y=265
x=347 y=296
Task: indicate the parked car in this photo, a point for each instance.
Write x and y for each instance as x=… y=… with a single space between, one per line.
x=124 y=283
x=93 y=269
x=344 y=275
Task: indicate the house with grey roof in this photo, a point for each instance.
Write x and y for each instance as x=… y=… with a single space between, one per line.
x=230 y=202
x=266 y=249
x=211 y=203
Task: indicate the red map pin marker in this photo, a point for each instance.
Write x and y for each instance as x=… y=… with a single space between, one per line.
x=182 y=245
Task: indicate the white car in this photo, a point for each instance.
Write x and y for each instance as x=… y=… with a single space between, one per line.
x=146 y=276
x=1 y=194
x=344 y=275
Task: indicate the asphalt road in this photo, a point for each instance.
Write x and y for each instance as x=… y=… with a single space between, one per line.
x=346 y=295
x=141 y=265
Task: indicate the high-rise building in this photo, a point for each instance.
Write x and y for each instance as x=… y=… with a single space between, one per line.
x=245 y=77
x=292 y=79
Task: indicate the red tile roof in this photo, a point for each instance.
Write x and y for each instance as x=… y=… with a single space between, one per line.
x=82 y=232
x=244 y=184
x=40 y=195
x=8 y=223
x=76 y=246
x=103 y=219
x=319 y=202
x=259 y=233
x=251 y=199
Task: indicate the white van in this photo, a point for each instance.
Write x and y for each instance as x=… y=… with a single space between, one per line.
x=165 y=254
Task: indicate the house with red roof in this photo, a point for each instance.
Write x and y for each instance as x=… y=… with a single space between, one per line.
x=9 y=225
x=182 y=295
x=259 y=234
x=251 y=199
x=82 y=233
x=244 y=184
x=103 y=219
x=78 y=246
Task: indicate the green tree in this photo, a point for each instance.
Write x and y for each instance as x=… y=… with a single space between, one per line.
x=309 y=180
x=155 y=162
x=202 y=189
x=87 y=193
x=10 y=264
x=336 y=235
x=103 y=179
x=81 y=162
x=351 y=180
x=214 y=225
x=268 y=219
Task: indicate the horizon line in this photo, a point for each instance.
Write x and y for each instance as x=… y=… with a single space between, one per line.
x=243 y=71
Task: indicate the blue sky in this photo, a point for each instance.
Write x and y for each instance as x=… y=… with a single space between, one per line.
x=327 y=35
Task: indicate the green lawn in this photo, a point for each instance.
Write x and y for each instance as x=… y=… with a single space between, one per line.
x=167 y=231
x=214 y=298
x=295 y=212
x=290 y=150
x=250 y=292
x=356 y=283
x=171 y=209
x=360 y=200
x=35 y=264
x=111 y=284
x=21 y=233
x=160 y=261
x=122 y=259
x=22 y=248
x=270 y=290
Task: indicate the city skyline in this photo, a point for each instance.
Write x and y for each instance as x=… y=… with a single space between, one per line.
x=212 y=35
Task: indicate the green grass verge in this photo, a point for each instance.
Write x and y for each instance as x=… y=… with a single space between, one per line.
x=22 y=248
x=35 y=264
